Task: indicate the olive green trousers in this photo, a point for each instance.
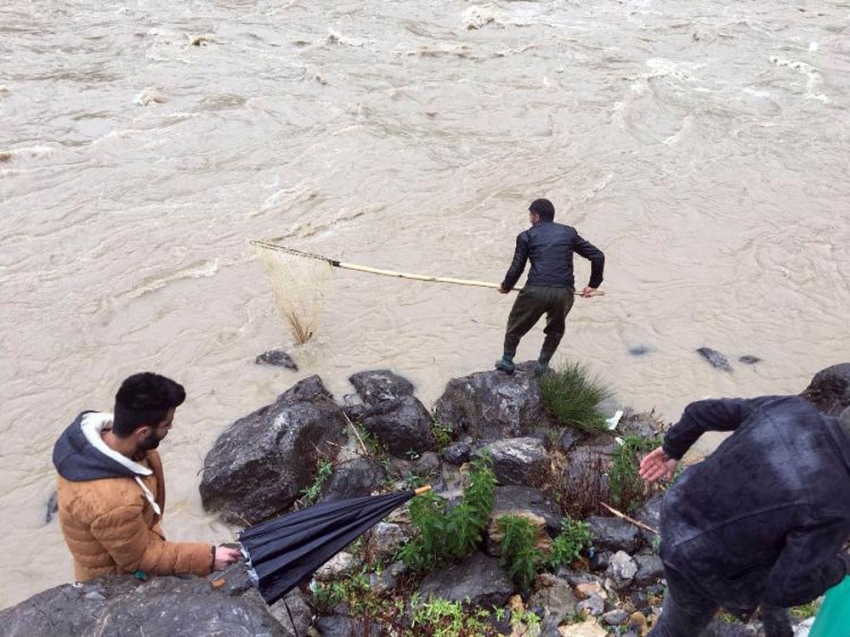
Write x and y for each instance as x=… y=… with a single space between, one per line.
x=532 y=303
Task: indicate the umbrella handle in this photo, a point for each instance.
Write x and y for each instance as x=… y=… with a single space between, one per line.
x=422 y=490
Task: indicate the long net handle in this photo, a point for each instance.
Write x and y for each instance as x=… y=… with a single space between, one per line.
x=392 y=273
x=363 y=268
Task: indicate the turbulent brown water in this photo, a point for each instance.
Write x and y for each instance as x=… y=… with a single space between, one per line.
x=702 y=146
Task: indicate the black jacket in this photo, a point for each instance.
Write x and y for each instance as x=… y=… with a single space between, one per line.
x=550 y=247
x=764 y=517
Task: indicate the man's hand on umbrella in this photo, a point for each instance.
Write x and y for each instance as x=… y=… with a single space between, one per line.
x=656 y=465
x=224 y=556
x=502 y=290
x=588 y=292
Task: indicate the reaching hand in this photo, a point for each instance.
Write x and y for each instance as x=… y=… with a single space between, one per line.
x=224 y=555
x=657 y=464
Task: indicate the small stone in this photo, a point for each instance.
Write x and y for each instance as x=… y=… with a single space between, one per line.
x=457 y=454
x=637 y=621
x=587 y=629
x=593 y=605
x=589 y=589
x=622 y=568
x=616 y=617
x=750 y=360
x=339 y=565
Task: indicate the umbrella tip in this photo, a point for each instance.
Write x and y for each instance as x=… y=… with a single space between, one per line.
x=422 y=490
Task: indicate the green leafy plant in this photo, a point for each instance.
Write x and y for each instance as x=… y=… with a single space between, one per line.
x=567 y=547
x=628 y=491
x=443 y=434
x=525 y=623
x=444 y=618
x=443 y=536
x=312 y=493
x=571 y=395
x=520 y=554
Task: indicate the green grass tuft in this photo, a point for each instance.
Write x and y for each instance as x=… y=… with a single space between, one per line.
x=571 y=396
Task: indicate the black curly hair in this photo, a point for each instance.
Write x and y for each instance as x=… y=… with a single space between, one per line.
x=144 y=399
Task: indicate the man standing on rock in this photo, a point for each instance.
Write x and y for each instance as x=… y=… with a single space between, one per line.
x=111 y=490
x=550 y=287
x=761 y=521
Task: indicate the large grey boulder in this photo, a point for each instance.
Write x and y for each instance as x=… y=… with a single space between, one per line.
x=519 y=498
x=124 y=606
x=829 y=390
x=376 y=386
x=358 y=477
x=477 y=581
x=261 y=462
x=402 y=424
x=520 y=461
x=614 y=534
x=493 y=405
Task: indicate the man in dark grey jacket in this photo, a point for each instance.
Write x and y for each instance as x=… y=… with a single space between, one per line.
x=761 y=521
x=551 y=285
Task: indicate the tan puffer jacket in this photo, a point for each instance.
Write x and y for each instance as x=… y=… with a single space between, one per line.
x=112 y=528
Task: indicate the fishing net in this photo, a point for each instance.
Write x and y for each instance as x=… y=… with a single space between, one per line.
x=300 y=285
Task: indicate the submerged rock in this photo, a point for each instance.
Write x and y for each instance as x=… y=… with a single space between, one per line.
x=717 y=360
x=277 y=358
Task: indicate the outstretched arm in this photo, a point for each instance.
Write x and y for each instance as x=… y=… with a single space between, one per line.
x=725 y=414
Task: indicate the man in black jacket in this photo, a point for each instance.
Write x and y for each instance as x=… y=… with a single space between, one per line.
x=551 y=285
x=761 y=521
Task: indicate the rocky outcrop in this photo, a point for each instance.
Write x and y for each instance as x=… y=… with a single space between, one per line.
x=492 y=405
x=261 y=462
x=477 y=581
x=162 y=606
x=375 y=387
x=358 y=477
x=521 y=461
x=402 y=424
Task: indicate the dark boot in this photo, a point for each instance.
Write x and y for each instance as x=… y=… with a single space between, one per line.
x=542 y=367
x=506 y=363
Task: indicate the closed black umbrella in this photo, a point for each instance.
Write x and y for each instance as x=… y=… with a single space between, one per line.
x=284 y=551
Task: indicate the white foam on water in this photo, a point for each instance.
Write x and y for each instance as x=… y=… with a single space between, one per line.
x=199 y=270
x=149 y=95
x=687 y=124
x=335 y=37
x=813 y=76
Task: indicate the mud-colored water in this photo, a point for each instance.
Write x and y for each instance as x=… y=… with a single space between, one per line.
x=702 y=146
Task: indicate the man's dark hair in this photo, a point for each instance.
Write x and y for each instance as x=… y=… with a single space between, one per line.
x=544 y=208
x=144 y=399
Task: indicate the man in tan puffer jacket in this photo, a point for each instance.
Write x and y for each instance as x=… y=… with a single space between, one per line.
x=111 y=490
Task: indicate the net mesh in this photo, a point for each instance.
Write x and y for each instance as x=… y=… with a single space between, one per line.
x=300 y=285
